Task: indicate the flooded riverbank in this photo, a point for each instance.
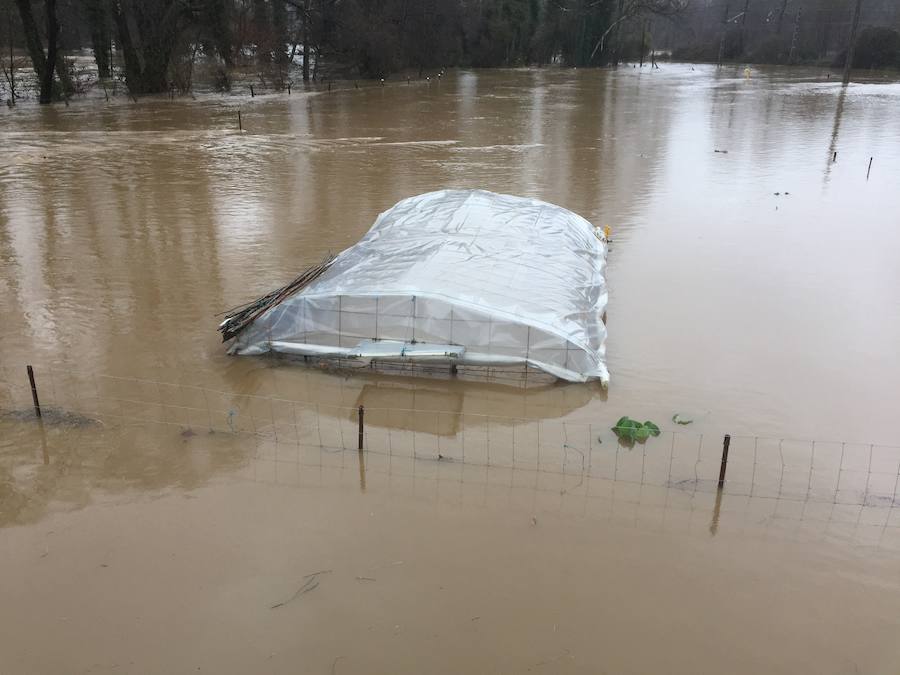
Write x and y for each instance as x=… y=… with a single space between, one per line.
x=751 y=286
x=753 y=289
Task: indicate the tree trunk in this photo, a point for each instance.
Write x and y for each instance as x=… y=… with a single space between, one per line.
x=102 y=44
x=851 y=43
x=133 y=66
x=643 y=41
x=795 y=36
x=32 y=37
x=101 y=39
x=12 y=64
x=44 y=64
x=147 y=37
x=744 y=26
x=52 y=53
x=306 y=50
x=218 y=16
x=279 y=27
x=781 y=16
x=617 y=37
x=724 y=33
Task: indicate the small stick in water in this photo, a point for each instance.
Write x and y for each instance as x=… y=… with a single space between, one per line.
x=252 y=93
x=240 y=126
x=869 y=170
x=834 y=156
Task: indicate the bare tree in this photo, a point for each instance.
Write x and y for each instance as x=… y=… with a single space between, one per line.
x=10 y=74
x=629 y=9
x=44 y=64
x=148 y=32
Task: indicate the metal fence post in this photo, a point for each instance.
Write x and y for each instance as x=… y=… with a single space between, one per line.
x=362 y=412
x=34 y=394
x=726 y=442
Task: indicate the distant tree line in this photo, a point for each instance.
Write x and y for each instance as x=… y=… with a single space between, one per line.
x=153 y=45
x=790 y=32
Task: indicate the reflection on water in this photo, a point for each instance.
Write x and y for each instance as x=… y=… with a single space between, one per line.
x=836 y=492
x=53 y=467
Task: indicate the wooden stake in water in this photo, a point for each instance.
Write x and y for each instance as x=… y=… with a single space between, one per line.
x=240 y=126
x=362 y=412
x=869 y=170
x=34 y=394
x=725 y=444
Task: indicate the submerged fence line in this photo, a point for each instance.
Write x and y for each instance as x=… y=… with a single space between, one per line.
x=815 y=470
x=639 y=505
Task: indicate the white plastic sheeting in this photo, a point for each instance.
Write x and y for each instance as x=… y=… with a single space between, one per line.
x=461 y=276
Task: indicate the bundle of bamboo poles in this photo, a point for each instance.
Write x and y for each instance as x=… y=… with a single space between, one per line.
x=238 y=318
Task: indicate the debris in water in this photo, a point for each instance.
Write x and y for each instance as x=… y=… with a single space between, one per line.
x=240 y=317
x=723 y=152
x=311 y=583
x=678 y=420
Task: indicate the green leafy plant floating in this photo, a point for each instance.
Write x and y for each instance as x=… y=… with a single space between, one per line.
x=628 y=430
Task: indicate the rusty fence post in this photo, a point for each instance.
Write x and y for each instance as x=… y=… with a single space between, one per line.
x=34 y=394
x=362 y=412
x=726 y=442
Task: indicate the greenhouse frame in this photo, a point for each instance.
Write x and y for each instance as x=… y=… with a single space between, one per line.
x=464 y=277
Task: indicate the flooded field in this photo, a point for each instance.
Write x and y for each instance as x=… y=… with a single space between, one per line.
x=181 y=510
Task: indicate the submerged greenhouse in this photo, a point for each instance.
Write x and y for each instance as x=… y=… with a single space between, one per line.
x=463 y=277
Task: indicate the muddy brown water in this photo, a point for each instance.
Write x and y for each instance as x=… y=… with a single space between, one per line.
x=753 y=288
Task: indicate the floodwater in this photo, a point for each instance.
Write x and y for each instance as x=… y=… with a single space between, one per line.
x=754 y=288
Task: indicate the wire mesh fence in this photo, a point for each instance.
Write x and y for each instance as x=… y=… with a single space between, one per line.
x=828 y=472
